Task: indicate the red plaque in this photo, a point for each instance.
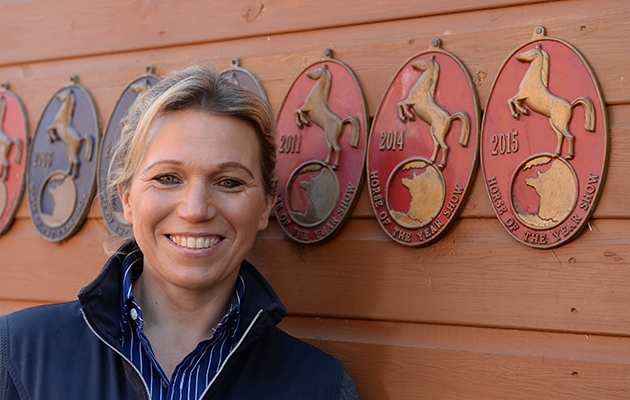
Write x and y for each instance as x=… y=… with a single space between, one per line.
x=14 y=139
x=322 y=129
x=423 y=147
x=544 y=147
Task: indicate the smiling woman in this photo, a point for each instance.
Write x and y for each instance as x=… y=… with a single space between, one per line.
x=177 y=312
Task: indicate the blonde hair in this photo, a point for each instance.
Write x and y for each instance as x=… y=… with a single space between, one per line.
x=195 y=88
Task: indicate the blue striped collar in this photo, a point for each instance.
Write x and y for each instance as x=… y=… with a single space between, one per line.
x=132 y=269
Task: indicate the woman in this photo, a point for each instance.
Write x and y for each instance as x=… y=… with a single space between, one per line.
x=177 y=313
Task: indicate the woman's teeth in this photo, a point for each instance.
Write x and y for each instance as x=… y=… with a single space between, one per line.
x=194 y=242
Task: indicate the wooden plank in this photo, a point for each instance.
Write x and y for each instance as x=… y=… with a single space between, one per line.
x=42 y=29
x=415 y=361
x=580 y=287
x=475 y=275
x=36 y=270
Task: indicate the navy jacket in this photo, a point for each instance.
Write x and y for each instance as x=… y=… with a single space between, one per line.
x=73 y=351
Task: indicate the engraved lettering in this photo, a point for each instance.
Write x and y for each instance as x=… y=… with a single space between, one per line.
x=299 y=233
x=375 y=188
x=452 y=204
x=392 y=139
x=401 y=235
x=505 y=143
x=591 y=187
x=284 y=219
x=384 y=218
x=279 y=205
x=493 y=187
x=42 y=159
x=347 y=197
x=511 y=224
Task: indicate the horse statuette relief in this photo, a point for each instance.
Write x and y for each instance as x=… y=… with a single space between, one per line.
x=315 y=109
x=5 y=145
x=421 y=100
x=61 y=129
x=533 y=91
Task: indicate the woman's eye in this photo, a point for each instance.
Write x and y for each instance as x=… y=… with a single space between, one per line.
x=231 y=183
x=166 y=179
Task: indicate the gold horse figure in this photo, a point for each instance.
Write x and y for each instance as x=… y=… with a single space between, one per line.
x=316 y=109
x=533 y=92
x=5 y=145
x=61 y=128
x=422 y=100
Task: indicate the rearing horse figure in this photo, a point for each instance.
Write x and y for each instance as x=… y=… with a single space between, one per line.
x=5 y=145
x=316 y=109
x=533 y=92
x=422 y=100
x=61 y=128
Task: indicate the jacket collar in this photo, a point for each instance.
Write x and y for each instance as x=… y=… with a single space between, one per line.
x=101 y=304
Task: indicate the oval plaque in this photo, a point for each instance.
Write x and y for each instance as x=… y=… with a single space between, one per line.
x=244 y=77
x=423 y=145
x=14 y=140
x=62 y=163
x=544 y=146
x=322 y=129
x=111 y=206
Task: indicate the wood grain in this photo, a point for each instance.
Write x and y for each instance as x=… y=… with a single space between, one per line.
x=45 y=29
x=416 y=361
x=475 y=275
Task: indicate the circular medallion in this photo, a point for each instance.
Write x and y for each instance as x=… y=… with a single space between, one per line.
x=244 y=77
x=544 y=145
x=322 y=129
x=62 y=163
x=111 y=205
x=14 y=141
x=423 y=145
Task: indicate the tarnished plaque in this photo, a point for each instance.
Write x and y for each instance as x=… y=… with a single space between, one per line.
x=322 y=129
x=244 y=77
x=62 y=162
x=14 y=139
x=423 y=145
x=544 y=147
x=110 y=202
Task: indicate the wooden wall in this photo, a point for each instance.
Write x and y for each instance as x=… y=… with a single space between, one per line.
x=475 y=315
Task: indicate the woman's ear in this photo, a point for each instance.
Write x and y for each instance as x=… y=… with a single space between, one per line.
x=266 y=211
x=124 y=198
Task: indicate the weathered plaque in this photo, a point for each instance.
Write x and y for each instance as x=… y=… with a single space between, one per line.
x=14 y=139
x=544 y=147
x=322 y=129
x=111 y=205
x=62 y=163
x=244 y=77
x=423 y=146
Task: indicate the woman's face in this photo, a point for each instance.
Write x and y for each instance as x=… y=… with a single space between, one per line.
x=197 y=201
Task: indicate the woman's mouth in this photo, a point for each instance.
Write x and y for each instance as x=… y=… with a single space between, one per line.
x=193 y=242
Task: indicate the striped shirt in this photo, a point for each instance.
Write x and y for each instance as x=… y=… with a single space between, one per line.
x=193 y=374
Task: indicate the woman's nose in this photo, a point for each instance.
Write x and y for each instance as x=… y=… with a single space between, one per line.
x=197 y=203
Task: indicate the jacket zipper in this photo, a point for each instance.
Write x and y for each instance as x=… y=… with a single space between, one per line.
x=231 y=353
x=146 y=387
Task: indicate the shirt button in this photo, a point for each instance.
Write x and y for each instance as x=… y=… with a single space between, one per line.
x=134 y=314
x=164 y=385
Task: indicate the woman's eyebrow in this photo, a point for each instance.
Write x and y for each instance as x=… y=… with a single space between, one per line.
x=222 y=166
x=170 y=162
